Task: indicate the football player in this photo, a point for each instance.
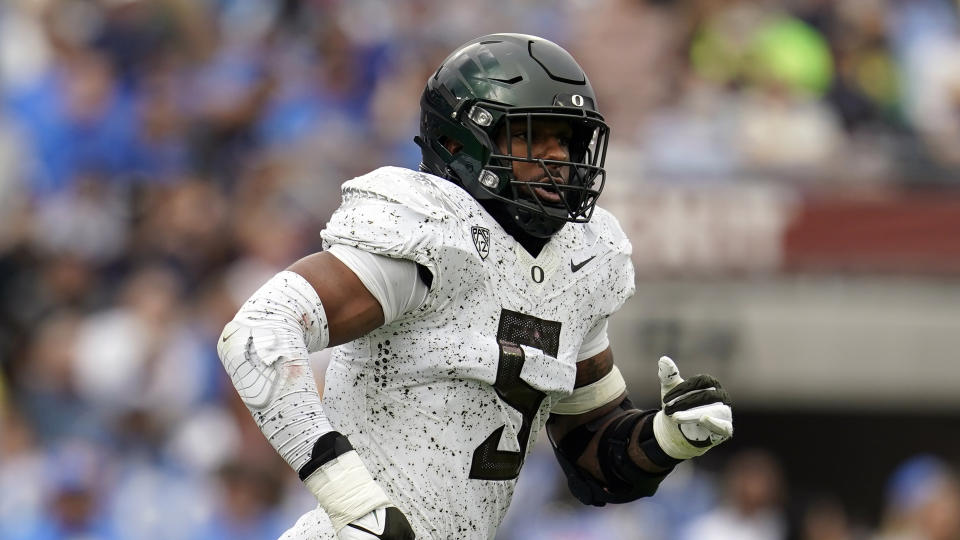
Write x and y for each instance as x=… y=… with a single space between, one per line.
x=467 y=303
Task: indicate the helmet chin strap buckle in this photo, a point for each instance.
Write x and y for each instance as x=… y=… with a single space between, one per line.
x=489 y=179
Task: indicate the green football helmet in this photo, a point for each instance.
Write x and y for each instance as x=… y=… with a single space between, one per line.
x=490 y=86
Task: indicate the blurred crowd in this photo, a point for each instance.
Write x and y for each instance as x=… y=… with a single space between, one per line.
x=748 y=498
x=159 y=159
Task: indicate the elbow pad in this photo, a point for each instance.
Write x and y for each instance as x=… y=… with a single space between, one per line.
x=281 y=323
x=625 y=480
x=265 y=351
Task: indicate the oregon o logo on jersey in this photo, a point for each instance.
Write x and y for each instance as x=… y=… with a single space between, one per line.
x=536 y=274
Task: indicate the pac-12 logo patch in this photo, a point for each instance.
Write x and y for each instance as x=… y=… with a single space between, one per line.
x=481 y=239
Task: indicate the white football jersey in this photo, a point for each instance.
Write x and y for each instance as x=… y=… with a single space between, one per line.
x=444 y=403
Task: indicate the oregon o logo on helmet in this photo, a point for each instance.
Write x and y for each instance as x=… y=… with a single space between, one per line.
x=577 y=100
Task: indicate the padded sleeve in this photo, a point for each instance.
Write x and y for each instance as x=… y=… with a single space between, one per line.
x=404 y=214
x=394 y=213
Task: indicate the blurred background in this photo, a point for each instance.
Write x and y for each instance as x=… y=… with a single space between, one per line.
x=788 y=172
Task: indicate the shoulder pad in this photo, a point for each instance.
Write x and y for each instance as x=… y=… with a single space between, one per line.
x=421 y=193
x=611 y=280
x=397 y=212
x=605 y=227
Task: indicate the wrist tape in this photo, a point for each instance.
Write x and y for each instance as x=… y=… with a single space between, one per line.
x=343 y=486
x=669 y=437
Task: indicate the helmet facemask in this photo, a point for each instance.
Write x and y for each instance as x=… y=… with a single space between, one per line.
x=560 y=191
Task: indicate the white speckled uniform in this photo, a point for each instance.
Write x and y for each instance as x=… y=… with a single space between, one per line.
x=438 y=402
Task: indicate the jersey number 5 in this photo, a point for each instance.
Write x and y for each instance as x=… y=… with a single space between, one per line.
x=515 y=329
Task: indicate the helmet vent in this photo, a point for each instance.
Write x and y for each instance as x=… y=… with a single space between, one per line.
x=514 y=80
x=557 y=63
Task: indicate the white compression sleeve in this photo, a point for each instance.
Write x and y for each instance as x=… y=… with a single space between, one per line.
x=265 y=351
x=395 y=283
x=595 y=341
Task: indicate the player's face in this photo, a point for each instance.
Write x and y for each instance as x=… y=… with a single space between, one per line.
x=549 y=139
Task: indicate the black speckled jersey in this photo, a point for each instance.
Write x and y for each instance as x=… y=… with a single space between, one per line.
x=444 y=403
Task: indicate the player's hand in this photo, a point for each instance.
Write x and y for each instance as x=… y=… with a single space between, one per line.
x=695 y=414
x=385 y=523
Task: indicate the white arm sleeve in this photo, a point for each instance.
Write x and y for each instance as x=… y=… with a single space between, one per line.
x=395 y=283
x=265 y=352
x=595 y=341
